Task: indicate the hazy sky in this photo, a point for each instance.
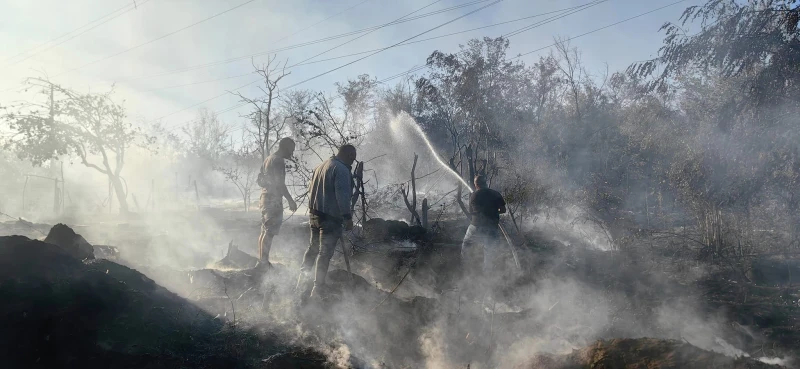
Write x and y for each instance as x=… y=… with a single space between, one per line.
x=260 y=26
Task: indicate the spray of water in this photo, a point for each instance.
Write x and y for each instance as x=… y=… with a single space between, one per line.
x=404 y=120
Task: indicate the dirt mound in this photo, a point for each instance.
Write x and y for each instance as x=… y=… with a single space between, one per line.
x=377 y=229
x=64 y=237
x=59 y=311
x=642 y=353
x=236 y=259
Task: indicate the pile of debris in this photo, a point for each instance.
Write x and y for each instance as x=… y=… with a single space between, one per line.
x=378 y=230
x=236 y=259
x=64 y=308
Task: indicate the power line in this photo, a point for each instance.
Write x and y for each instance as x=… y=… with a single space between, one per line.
x=569 y=12
x=341 y=66
x=417 y=68
x=257 y=80
x=110 y=17
x=157 y=38
x=371 y=50
x=394 y=45
x=602 y=28
x=303 y=44
x=365 y=34
x=322 y=21
x=412 y=70
x=552 y=19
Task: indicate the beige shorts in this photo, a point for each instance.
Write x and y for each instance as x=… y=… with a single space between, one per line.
x=271 y=214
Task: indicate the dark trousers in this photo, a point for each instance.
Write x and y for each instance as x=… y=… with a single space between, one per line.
x=325 y=233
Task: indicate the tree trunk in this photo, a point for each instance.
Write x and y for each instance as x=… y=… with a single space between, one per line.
x=116 y=182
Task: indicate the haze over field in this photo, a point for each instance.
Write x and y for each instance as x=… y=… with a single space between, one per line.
x=647 y=154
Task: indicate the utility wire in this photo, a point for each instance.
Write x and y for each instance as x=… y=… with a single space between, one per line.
x=258 y=80
x=417 y=68
x=364 y=34
x=552 y=19
x=393 y=45
x=371 y=50
x=156 y=39
x=322 y=21
x=602 y=28
x=308 y=43
x=412 y=70
x=339 y=67
x=569 y=11
x=110 y=17
x=330 y=49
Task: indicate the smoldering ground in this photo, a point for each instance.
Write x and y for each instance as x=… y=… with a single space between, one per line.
x=410 y=304
x=567 y=298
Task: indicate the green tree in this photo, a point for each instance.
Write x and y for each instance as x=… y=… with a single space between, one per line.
x=63 y=122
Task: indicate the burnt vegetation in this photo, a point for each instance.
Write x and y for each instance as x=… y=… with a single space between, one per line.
x=685 y=169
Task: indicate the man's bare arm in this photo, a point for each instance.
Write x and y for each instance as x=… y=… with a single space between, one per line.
x=285 y=190
x=286 y=194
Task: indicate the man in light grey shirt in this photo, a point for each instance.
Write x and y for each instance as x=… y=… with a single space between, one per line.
x=329 y=207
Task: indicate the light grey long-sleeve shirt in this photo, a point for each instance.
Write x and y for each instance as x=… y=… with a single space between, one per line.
x=331 y=189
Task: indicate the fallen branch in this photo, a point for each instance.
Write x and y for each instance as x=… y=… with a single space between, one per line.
x=393 y=289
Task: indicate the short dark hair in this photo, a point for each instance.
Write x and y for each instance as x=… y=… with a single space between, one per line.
x=480 y=180
x=284 y=143
x=346 y=149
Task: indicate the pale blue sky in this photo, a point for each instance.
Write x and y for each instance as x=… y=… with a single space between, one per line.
x=259 y=26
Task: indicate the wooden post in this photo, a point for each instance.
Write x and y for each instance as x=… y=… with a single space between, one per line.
x=196 y=194
x=63 y=188
x=425 y=213
x=109 y=195
x=56 y=205
x=363 y=195
x=358 y=191
x=135 y=202
x=149 y=196
x=412 y=206
x=24 y=189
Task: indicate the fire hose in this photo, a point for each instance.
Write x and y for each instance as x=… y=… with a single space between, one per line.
x=511 y=245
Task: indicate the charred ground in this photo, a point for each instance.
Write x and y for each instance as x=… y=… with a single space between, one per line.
x=70 y=310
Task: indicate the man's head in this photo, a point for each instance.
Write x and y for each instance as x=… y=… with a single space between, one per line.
x=480 y=181
x=286 y=147
x=347 y=154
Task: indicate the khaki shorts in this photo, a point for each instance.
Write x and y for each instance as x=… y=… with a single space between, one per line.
x=271 y=214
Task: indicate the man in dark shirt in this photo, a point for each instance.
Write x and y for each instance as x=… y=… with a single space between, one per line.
x=485 y=205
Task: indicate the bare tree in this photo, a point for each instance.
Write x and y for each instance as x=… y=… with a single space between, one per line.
x=330 y=121
x=265 y=126
x=241 y=168
x=570 y=66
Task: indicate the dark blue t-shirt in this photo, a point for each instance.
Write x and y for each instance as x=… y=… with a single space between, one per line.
x=484 y=205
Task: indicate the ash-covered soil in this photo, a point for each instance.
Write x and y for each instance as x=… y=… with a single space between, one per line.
x=405 y=306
